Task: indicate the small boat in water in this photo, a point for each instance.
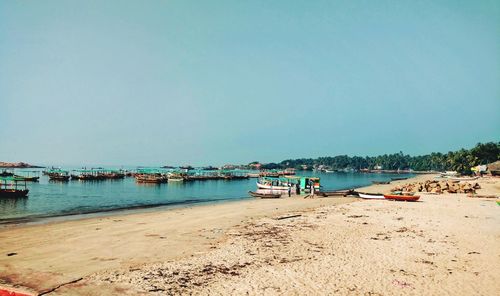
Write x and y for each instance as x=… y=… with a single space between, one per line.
x=6 y=173
x=401 y=197
x=175 y=178
x=264 y=195
x=10 y=187
x=154 y=179
x=58 y=175
x=371 y=195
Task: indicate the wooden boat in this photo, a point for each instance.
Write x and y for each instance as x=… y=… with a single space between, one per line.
x=175 y=179
x=381 y=182
x=336 y=193
x=5 y=173
x=9 y=188
x=271 y=187
x=27 y=179
x=155 y=179
x=371 y=195
x=401 y=197
x=264 y=195
x=58 y=175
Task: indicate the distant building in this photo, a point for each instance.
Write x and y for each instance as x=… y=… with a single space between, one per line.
x=255 y=166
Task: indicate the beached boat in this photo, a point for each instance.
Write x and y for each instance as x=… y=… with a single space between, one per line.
x=462 y=178
x=401 y=197
x=449 y=174
x=381 y=182
x=10 y=187
x=264 y=195
x=371 y=195
x=337 y=193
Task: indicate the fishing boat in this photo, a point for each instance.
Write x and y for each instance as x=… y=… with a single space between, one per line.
x=264 y=195
x=401 y=197
x=272 y=187
x=381 y=182
x=27 y=178
x=10 y=187
x=371 y=195
x=284 y=183
x=6 y=173
x=152 y=179
x=58 y=175
x=175 y=178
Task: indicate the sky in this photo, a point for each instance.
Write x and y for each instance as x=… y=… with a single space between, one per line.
x=216 y=82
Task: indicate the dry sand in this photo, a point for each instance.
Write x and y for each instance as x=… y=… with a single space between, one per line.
x=445 y=244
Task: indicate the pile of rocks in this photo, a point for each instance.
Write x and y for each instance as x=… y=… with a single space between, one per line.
x=435 y=186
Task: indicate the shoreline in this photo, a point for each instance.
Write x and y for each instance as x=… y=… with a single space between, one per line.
x=131 y=243
x=36 y=219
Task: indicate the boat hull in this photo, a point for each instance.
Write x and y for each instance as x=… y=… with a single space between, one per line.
x=402 y=197
x=12 y=193
x=371 y=196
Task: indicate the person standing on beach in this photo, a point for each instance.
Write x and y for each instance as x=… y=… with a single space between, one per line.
x=311 y=186
x=289 y=190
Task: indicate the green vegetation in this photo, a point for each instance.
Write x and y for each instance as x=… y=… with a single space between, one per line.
x=461 y=160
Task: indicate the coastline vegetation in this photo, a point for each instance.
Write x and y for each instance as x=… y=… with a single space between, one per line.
x=461 y=161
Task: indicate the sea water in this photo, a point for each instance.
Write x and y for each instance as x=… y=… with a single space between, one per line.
x=61 y=199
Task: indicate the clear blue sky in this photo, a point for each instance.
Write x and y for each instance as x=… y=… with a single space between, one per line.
x=213 y=82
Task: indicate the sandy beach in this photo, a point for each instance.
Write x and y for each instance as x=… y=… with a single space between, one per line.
x=445 y=244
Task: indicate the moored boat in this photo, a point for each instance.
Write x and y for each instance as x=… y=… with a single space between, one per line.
x=10 y=187
x=402 y=197
x=154 y=179
x=272 y=187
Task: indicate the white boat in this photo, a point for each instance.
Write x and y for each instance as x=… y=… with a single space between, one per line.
x=462 y=178
x=175 y=179
x=271 y=187
x=371 y=196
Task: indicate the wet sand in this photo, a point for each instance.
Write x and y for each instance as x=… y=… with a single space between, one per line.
x=445 y=244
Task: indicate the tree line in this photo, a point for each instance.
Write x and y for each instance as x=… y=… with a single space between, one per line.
x=461 y=160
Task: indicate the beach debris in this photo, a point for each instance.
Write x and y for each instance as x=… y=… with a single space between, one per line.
x=11 y=254
x=438 y=187
x=288 y=217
